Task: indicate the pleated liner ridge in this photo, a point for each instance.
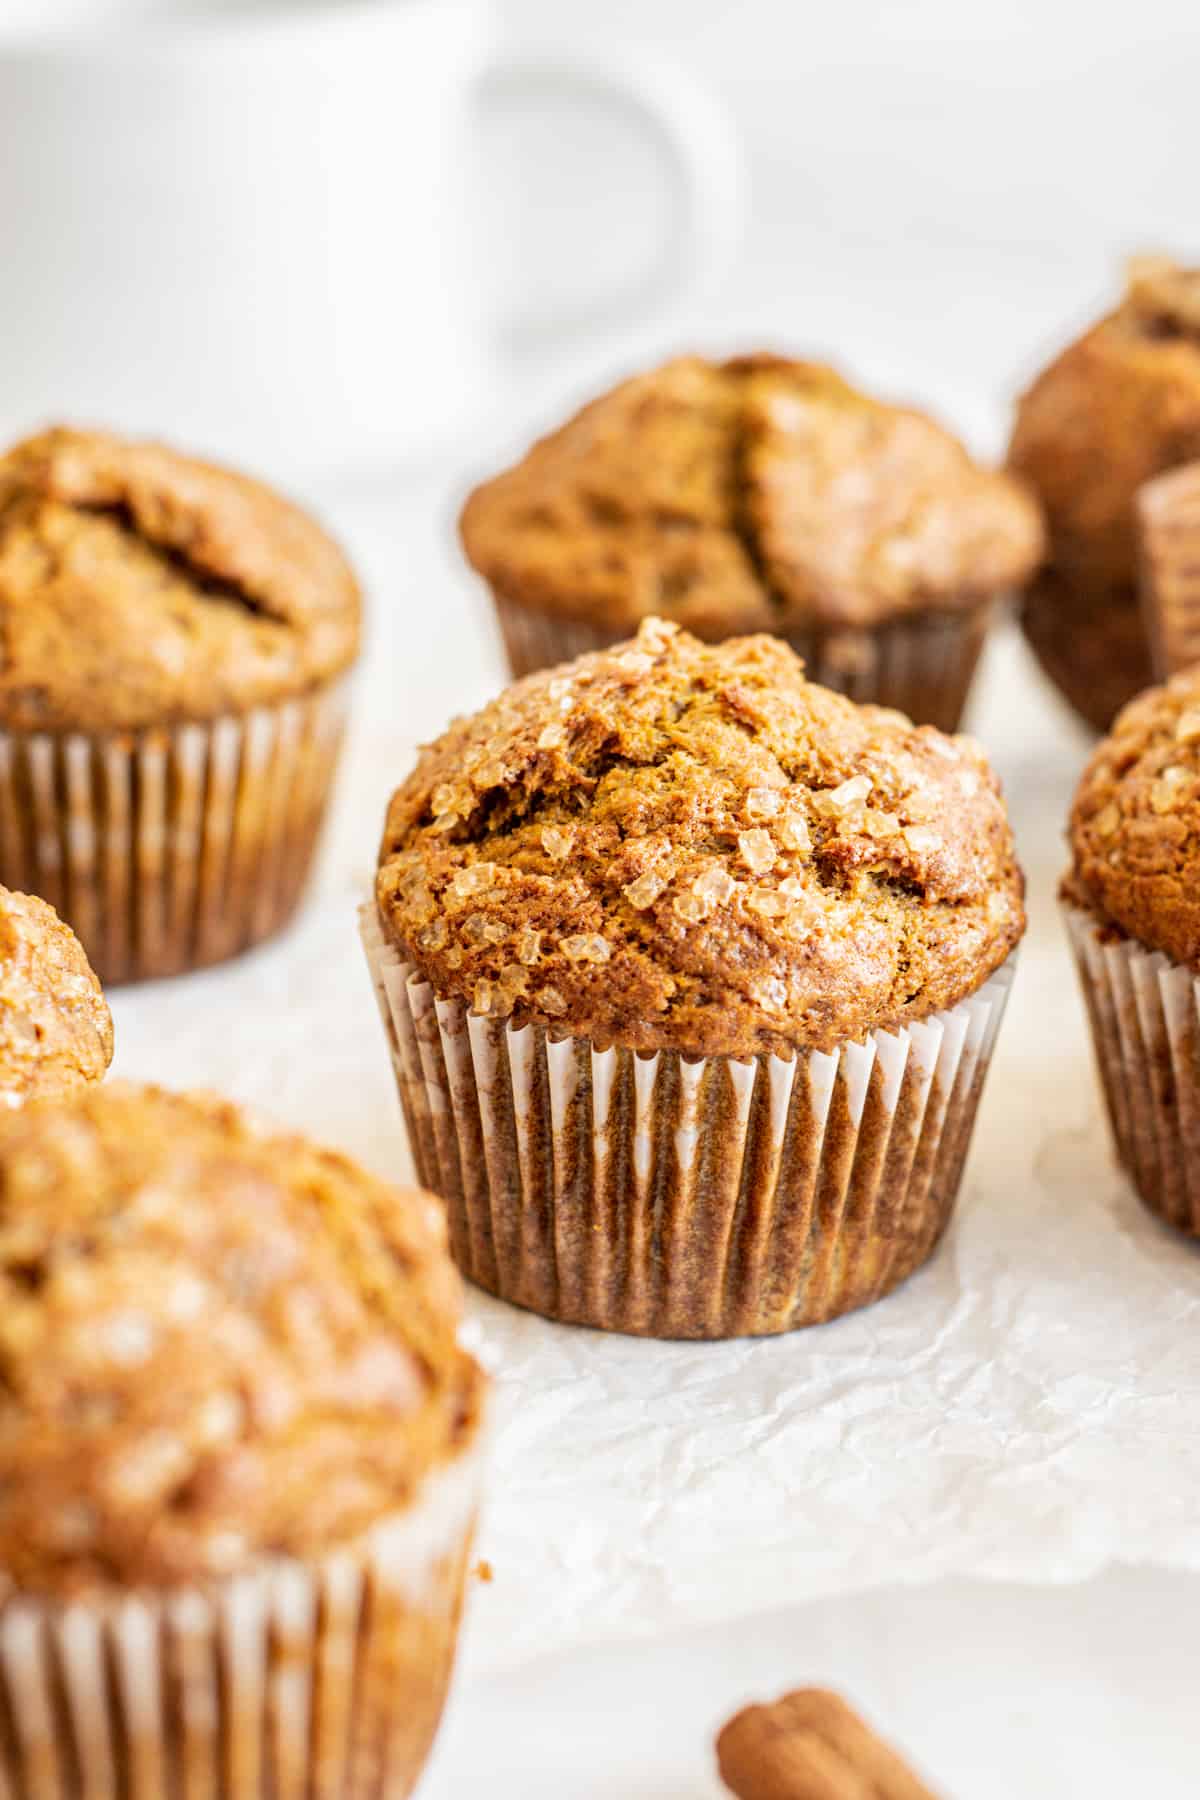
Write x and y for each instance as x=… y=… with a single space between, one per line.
x=321 y=1681
x=1168 y=511
x=670 y=1197
x=170 y=849
x=1144 y=1012
x=922 y=665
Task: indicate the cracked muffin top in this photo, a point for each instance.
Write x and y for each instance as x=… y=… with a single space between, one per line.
x=1117 y=407
x=679 y=846
x=56 y=1031
x=750 y=495
x=139 y=587
x=1135 y=824
x=216 y=1343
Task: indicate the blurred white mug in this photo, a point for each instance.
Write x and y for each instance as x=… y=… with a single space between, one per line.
x=247 y=224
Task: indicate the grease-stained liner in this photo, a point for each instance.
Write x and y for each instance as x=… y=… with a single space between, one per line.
x=679 y=1198
x=169 y=849
x=921 y=665
x=297 y=1679
x=1144 y=1012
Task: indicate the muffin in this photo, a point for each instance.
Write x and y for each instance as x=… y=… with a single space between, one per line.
x=691 y=970
x=752 y=495
x=56 y=1032
x=1117 y=408
x=238 y=1457
x=171 y=697
x=1132 y=907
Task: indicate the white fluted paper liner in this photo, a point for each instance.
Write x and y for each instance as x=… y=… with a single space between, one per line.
x=304 y=1681
x=684 y=1198
x=921 y=665
x=1144 y=1012
x=170 y=849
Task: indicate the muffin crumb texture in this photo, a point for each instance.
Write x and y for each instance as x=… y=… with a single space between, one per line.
x=56 y=1031
x=216 y=1344
x=756 y=494
x=139 y=587
x=1135 y=824
x=677 y=846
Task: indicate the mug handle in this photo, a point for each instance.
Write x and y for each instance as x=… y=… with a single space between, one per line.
x=698 y=148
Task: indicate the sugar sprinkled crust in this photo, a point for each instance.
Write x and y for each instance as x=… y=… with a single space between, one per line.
x=56 y=1031
x=139 y=587
x=677 y=846
x=1135 y=823
x=216 y=1342
x=749 y=495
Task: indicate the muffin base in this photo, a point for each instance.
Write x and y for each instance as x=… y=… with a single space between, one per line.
x=1144 y=1012
x=676 y=1198
x=324 y=1679
x=922 y=665
x=1169 y=546
x=167 y=850
x=1092 y=644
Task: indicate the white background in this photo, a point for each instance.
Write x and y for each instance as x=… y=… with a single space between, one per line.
x=936 y=189
x=935 y=193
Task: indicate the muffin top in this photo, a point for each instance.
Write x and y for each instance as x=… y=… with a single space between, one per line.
x=678 y=846
x=754 y=494
x=1119 y=406
x=139 y=587
x=1135 y=824
x=216 y=1343
x=56 y=1031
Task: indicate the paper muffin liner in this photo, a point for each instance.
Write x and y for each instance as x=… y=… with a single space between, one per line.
x=321 y=1679
x=675 y=1197
x=172 y=848
x=1090 y=639
x=1168 y=513
x=922 y=665
x=1144 y=1013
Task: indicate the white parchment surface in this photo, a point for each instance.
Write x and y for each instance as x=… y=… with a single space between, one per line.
x=1027 y=1406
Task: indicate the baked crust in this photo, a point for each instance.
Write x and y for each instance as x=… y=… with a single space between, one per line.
x=755 y=494
x=56 y=1031
x=140 y=587
x=677 y=846
x=217 y=1342
x=1135 y=823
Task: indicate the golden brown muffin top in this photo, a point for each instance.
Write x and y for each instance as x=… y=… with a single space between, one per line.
x=56 y=1031
x=1135 y=824
x=216 y=1343
x=140 y=587
x=1118 y=406
x=677 y=846
x=749 y=495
